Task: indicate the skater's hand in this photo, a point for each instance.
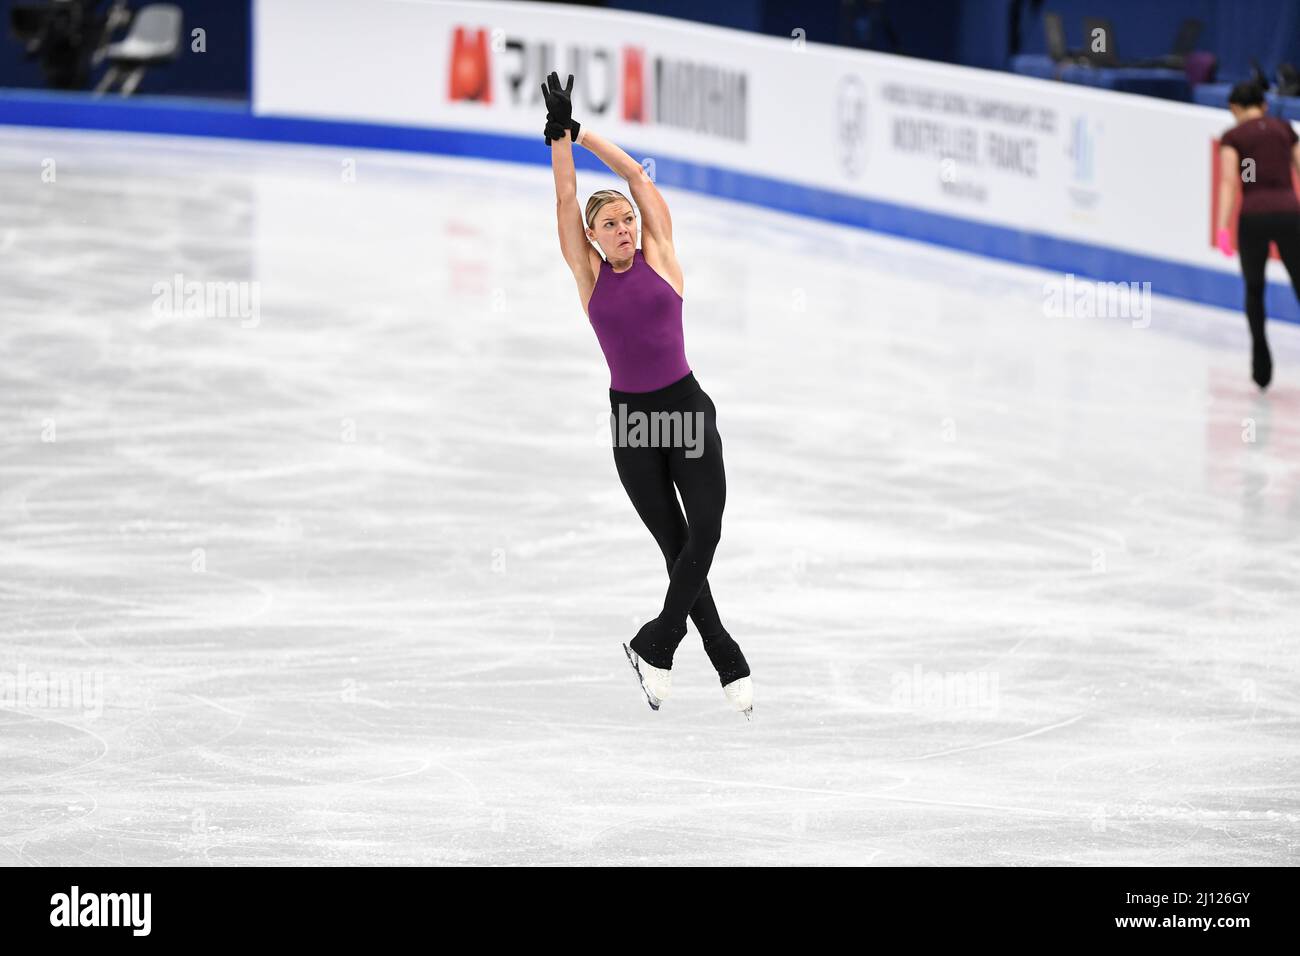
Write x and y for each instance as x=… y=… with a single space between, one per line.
x=559 y=103
x=1223 y=239
x=559 y=99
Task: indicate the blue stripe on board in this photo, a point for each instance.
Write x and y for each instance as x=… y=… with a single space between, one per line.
x=192 y=117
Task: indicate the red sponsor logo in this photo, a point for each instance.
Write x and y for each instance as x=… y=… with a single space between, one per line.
x=471 y=66
x=634 y=105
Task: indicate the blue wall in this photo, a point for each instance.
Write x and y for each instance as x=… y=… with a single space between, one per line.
x=739 y=14
x=221 y=71
x=924 y=28
x=1235 y=30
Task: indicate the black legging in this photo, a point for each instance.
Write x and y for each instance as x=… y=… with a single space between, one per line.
x=681 y=447
x=1254 y=232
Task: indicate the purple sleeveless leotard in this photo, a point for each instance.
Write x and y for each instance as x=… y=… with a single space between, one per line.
x=637 y=316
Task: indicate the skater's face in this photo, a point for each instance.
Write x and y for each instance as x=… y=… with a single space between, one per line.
x=614 y=229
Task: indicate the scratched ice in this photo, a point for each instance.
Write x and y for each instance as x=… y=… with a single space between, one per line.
x=338 y=571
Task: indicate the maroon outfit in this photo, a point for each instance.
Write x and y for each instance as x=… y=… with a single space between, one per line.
x=1268 y=141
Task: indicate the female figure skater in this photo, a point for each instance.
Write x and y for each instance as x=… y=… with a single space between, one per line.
x=633 y=300
x=1257 y=154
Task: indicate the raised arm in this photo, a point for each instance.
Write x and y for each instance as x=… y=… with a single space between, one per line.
x=568 y=217
x=655 y=219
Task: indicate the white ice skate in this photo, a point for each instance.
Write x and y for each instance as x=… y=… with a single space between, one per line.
x=741 y=694
x=655 y=681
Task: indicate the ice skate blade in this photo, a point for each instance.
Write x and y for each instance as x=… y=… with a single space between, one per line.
x=740 y=695
x=650 y=698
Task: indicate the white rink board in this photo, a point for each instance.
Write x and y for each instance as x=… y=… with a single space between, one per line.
x=1124 y=172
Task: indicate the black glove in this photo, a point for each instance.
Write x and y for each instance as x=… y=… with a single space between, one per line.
x=553 y=131
x=559 y=103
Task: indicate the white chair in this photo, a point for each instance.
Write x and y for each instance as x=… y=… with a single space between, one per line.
x=154 y=37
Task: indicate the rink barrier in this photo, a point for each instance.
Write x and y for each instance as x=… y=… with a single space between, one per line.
x=209 y=118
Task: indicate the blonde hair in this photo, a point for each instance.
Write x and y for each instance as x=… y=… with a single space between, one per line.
x=601 y=198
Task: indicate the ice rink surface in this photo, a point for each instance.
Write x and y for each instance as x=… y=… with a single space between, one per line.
x=342 y=577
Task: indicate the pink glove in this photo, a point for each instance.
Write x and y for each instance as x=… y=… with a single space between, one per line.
x=1223 y=239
